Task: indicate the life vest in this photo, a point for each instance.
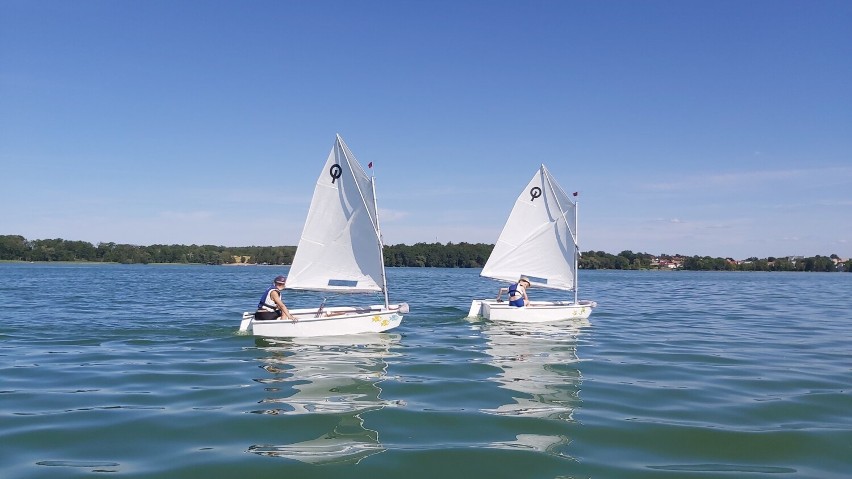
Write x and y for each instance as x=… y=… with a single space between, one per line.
x=514 y=295
x=266 y=301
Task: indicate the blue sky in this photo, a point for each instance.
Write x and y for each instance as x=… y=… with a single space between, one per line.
x=718 y=128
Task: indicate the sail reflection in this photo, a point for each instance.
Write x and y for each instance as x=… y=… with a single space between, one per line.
x=338 y=376
x=537 y=361
x=538 y=364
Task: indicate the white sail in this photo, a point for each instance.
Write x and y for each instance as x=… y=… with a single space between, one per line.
x=340 y=248
x=539 y=240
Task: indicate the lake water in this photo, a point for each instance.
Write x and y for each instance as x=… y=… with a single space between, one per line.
x=138 y=372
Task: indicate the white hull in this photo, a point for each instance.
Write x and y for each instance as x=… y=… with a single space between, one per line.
x=334 y=321
x=535 y=312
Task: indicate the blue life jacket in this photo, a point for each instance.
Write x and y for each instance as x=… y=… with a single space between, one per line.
x=515 y=296
x=263 y=302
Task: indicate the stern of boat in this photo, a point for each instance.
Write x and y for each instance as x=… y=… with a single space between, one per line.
x=475 y=309
x=246 y=323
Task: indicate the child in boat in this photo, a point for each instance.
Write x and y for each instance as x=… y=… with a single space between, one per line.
x=271 y=305
x=517 y=293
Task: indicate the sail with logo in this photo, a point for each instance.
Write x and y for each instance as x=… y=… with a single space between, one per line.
x=340 y=250
x=538 y=243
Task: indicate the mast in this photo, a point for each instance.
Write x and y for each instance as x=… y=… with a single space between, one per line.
x=576 y=249
x=379 y=240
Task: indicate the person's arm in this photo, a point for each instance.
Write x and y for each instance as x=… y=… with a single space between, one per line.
x=276 y=296
x=500 y=293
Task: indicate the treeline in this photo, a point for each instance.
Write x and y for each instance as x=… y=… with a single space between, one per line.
x=17 y=248
x=631 y=260
x=437 y=255
x=423 y=255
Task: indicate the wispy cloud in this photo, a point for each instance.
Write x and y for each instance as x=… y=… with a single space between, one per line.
x=389 y=216
x=681 y=225
x=187 y=215
x=843 y=202
x=750 y=178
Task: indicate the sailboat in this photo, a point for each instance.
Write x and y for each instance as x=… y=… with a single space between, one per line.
x=539 y=242
x=340 y=250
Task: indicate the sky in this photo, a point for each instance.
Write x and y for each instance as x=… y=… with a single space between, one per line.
x=717 y=128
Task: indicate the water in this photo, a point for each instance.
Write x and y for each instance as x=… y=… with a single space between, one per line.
x=137 y=371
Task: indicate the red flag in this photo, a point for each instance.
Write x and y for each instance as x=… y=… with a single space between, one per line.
x=370 y=164
x=576 y=193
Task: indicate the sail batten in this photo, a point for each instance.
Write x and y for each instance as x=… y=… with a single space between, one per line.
x=539 y=237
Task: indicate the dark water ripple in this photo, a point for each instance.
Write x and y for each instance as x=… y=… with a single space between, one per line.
x=137 y=371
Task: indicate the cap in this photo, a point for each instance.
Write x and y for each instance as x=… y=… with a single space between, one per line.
x=524 y=278
x=280 y=279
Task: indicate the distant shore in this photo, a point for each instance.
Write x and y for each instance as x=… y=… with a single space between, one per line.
x=419 y=255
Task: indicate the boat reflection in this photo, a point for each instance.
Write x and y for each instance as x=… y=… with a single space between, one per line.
x=538 y=365
x=338 y=377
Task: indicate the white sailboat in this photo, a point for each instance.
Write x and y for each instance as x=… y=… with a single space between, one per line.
x=538 y=241
x=340 y=250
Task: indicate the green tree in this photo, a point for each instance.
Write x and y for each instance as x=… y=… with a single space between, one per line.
x=14 y=247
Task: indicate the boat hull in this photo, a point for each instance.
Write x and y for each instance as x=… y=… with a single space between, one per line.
x=334 y=321
x=535 y=312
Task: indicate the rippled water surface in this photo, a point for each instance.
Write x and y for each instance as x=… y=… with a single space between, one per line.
x=137 y=371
